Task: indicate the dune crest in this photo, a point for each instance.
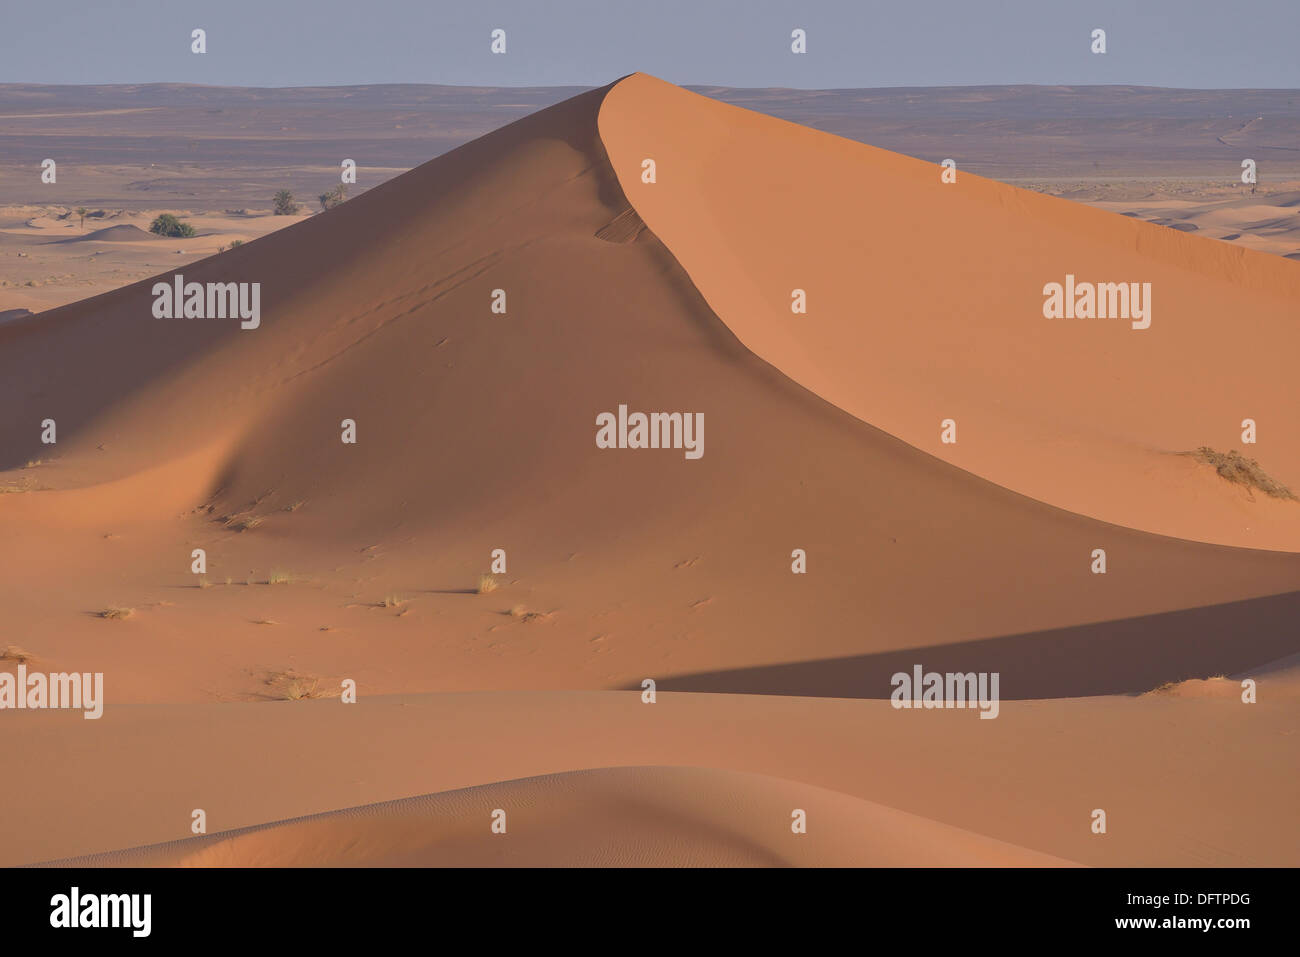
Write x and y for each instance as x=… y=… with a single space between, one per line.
x=925 y=303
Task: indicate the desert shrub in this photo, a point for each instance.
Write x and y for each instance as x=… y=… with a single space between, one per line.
x=168 y=225
x=1236 y=468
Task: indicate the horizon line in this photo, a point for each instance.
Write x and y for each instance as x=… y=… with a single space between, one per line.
x=692 y=85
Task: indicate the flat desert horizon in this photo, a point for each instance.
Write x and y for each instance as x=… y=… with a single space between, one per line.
x=650 y=476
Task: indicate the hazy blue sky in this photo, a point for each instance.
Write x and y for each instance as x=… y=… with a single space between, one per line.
x=851 y=43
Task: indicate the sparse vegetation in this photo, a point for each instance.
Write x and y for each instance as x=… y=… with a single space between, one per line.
x=523 y=614
x=291 y=686
x=168 y=225
x=285 y=205
x=486 y=583
x=82 y=211
x=391 y=601
x=204 y=583
x=334 y=197
x=1239 y=470
x=1168 y=686
x=279 y=577
x=294 y=506
x=117 y=613
x=14 y=653
x=242 y=523
x=236 y=242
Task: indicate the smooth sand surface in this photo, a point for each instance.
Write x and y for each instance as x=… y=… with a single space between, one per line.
x=328 y=561
x=608 y=817
x=1167 y=770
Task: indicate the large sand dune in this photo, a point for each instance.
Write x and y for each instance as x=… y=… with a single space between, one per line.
x=925 y=303
x=476 y=430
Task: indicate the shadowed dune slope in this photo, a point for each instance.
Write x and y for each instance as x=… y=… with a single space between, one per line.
x=925 y=302
x=607 y=817
x=476 y=429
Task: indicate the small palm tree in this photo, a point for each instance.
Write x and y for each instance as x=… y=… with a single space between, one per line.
x=333 y=197
x=285 y=204
x=81 y=211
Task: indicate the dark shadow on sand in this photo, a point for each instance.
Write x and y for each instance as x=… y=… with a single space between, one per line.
x=1126 y=656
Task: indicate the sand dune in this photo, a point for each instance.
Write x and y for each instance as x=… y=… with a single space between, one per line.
x=121 y=233
x=638 y=817
x=925 y=303
x=1166 y=768
x=476 y=430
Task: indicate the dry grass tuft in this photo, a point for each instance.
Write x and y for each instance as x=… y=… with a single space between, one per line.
x=1169 y=686
x=117 y=613
x=291 y=686
x=241 y=523
x=523 y=614
x=486 y=583
x=14 y=653
x=1239 y=470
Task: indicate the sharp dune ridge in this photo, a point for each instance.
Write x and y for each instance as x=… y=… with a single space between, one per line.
x=475 y=431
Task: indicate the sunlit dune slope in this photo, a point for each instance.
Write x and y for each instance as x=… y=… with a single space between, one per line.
x=925 y=303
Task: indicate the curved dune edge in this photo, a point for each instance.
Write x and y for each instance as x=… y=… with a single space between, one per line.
x=924 y=303
x=603 y=817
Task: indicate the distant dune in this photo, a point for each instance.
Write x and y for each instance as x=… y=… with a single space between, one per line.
x=476 y=430
x=121 y=233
